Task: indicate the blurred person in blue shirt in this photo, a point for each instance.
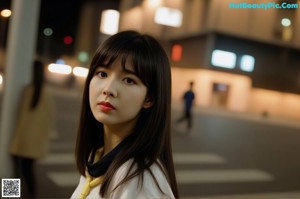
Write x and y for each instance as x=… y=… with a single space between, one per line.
x=188 y=98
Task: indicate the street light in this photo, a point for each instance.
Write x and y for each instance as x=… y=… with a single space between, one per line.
x=5 y=14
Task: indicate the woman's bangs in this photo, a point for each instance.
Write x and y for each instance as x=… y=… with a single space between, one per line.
x=106 y=59
x=132 y=54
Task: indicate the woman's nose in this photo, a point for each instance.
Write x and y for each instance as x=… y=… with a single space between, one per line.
x=108 y=93
x=110 y=89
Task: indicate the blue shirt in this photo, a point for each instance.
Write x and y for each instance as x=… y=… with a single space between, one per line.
x=189 y=98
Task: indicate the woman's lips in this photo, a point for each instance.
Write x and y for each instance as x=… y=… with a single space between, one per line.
x=106 y=106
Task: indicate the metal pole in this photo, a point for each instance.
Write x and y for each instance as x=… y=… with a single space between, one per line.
x=19 y=58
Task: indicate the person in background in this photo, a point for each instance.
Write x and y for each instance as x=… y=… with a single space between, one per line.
x=188 y=99
x=31 y=136
x=123 y=145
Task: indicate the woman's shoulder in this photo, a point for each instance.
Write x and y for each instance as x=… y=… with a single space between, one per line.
x=130 y=165
x=150 y=185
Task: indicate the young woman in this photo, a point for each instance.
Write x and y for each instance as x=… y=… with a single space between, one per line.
x=123 y=146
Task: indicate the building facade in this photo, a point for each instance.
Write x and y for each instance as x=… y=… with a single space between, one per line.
x=272 y=86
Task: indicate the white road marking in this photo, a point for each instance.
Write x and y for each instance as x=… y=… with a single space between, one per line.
x=283 y=195
x=222 y=176
x=179 y=158
x=59 y=158
x=198 y=158
x=184 y=176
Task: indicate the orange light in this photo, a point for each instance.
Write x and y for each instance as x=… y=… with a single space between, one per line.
x=176 y=52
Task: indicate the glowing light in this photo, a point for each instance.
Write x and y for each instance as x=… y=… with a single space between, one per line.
x=60 y=61
x=168 y=16
x=68 y=39
x=286 y=22
x=223 y=59
x=109 y=22
x=153 y=3
x=176 y=52
x=60 y=69
x=6 y=13
x=1 y=79
x=48 y=31
x=247 y=63
x=83 y=56
x=80 y=71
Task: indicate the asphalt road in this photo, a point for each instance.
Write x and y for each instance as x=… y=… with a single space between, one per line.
x=225 y=154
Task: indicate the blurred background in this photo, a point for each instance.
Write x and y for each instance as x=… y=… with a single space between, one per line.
x=245 y=64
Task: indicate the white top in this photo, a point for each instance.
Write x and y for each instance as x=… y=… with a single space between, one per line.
x=131 y=189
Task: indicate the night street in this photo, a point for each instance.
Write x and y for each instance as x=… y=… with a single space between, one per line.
x=224 y=154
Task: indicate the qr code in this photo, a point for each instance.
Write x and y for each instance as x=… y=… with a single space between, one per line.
x=11 y=187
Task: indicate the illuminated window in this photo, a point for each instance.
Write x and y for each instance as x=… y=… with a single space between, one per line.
x=176 y=52
x=168 y=16
x=223 y=59
x=109 y=22
x=247 y=63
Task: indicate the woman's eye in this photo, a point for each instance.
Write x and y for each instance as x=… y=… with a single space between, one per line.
x=102 y=74
x=129 y=81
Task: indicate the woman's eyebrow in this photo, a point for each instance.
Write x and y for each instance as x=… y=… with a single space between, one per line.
x=129 y=71
x=98 y=66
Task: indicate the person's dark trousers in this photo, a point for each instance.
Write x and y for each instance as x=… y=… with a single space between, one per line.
x=24 y=169
x=187 y=116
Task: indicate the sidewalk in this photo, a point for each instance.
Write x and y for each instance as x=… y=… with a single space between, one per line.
x=280 y=121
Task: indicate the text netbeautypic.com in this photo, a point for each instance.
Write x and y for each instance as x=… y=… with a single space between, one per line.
x=265 y=6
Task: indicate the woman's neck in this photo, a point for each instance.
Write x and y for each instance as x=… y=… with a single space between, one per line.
x=114 y=135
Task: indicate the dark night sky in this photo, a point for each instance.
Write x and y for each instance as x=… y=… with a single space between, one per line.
x=60 y=15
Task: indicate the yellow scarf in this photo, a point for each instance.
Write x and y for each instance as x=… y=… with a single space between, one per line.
x=90 y=181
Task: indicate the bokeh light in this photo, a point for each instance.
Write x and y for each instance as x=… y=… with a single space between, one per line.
x=6 y=13
x=48 y=32
x=68 y=40
x=83 y=56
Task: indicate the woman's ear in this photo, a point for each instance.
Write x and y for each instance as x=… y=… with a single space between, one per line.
x=148 y=103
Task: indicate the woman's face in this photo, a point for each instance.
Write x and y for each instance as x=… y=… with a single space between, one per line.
x=116 y=95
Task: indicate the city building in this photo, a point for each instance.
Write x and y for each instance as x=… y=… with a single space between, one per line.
x=242 y=56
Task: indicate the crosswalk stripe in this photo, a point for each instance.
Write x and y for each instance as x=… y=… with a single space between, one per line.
x=57 y=159
x=184 y=176
x=221 y=176
x=179 y=158
x=277 y=195
x=198 y=158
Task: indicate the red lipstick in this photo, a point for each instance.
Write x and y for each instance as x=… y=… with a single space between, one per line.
x=106 y=106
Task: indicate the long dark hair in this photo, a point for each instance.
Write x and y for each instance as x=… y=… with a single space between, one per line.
x=37 y=82
x=150 y=139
